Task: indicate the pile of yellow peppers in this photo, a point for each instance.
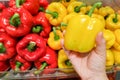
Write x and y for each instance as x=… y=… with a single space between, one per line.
x=81 y=23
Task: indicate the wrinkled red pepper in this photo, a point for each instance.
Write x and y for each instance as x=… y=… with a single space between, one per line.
x=43 y=5
x=41 y=25
x=31 y=5
x=17 y=22
x=19 y=64
x=49 y=61
x=31 y=47
x=7 y=47
x=4 y=65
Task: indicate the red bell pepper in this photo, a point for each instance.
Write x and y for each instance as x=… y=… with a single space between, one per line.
x=49 y=61
x=41 y=25
x=2 y=29
x=43 y=5
x=2 y=7
x=7 y=47
x=31 y=47
x=17 y=22
x=31 y=5
x=19 y=64
x=4 y=65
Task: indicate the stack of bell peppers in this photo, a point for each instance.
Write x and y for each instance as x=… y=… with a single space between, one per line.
x=31 y=32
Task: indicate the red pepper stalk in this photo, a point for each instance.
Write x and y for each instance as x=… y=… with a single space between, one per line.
x=31 y=47
x=31 y=5
x=41 y=25
x=4 y=65
x=19 y=64
x=17 y=22
x=43 y=5
x=49 y=61
x=7 y=47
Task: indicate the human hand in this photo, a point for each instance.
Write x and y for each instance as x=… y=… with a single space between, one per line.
x=91 y=65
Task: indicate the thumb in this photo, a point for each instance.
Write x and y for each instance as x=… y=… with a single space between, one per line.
x=100 y=44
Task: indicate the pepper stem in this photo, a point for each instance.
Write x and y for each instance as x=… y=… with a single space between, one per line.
x=56 y=37
x=17 y=67
x=41 y=9
x=54 y=14
x=37 y=29
x=44 y=64
x=19 y=2
x=15 y=20
x=63 y=24
x=67 y=62
x=77 y=8
x=2 y=48
x=115 y=19
x=31 y=46
x=96 y=5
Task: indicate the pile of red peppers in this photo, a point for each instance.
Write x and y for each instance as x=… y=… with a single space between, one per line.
x=24 y=31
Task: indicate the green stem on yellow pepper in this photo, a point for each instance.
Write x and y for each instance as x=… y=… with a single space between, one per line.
x=56 y=37
x=77 y=8
x=15 y=20
x=67 y=62
x=2 y=48
x=96 y=5
x=115 y=19
x=54 y=14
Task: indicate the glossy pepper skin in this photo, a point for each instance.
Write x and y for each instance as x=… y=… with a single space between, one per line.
x=17 y=22
x=31 y=5
x=54 y=39
x=82 y=30
x=109 y=37
x=41 y=25
x=7 y=47
x=49 y=61
x=113 y=21
x=63 y=62
x=31 y=47
x=55 y=12
x=116 y=45
x=19 y=64
x=4 y=65
x=109 y=59
x=43 y=5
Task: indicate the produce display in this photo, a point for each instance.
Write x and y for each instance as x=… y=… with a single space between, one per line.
x=31 y=32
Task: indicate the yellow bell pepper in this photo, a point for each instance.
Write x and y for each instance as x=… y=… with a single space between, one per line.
x=116 y=45
x=106 y=11
x=109 y=59
x=77 y=7
x=81 y=31
x=63 y=62
x=116 y=54
x=67 y=2
x=109 y=37
x=54 y=40
x=113 y=21
x=55 y=12
x=66 y=20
